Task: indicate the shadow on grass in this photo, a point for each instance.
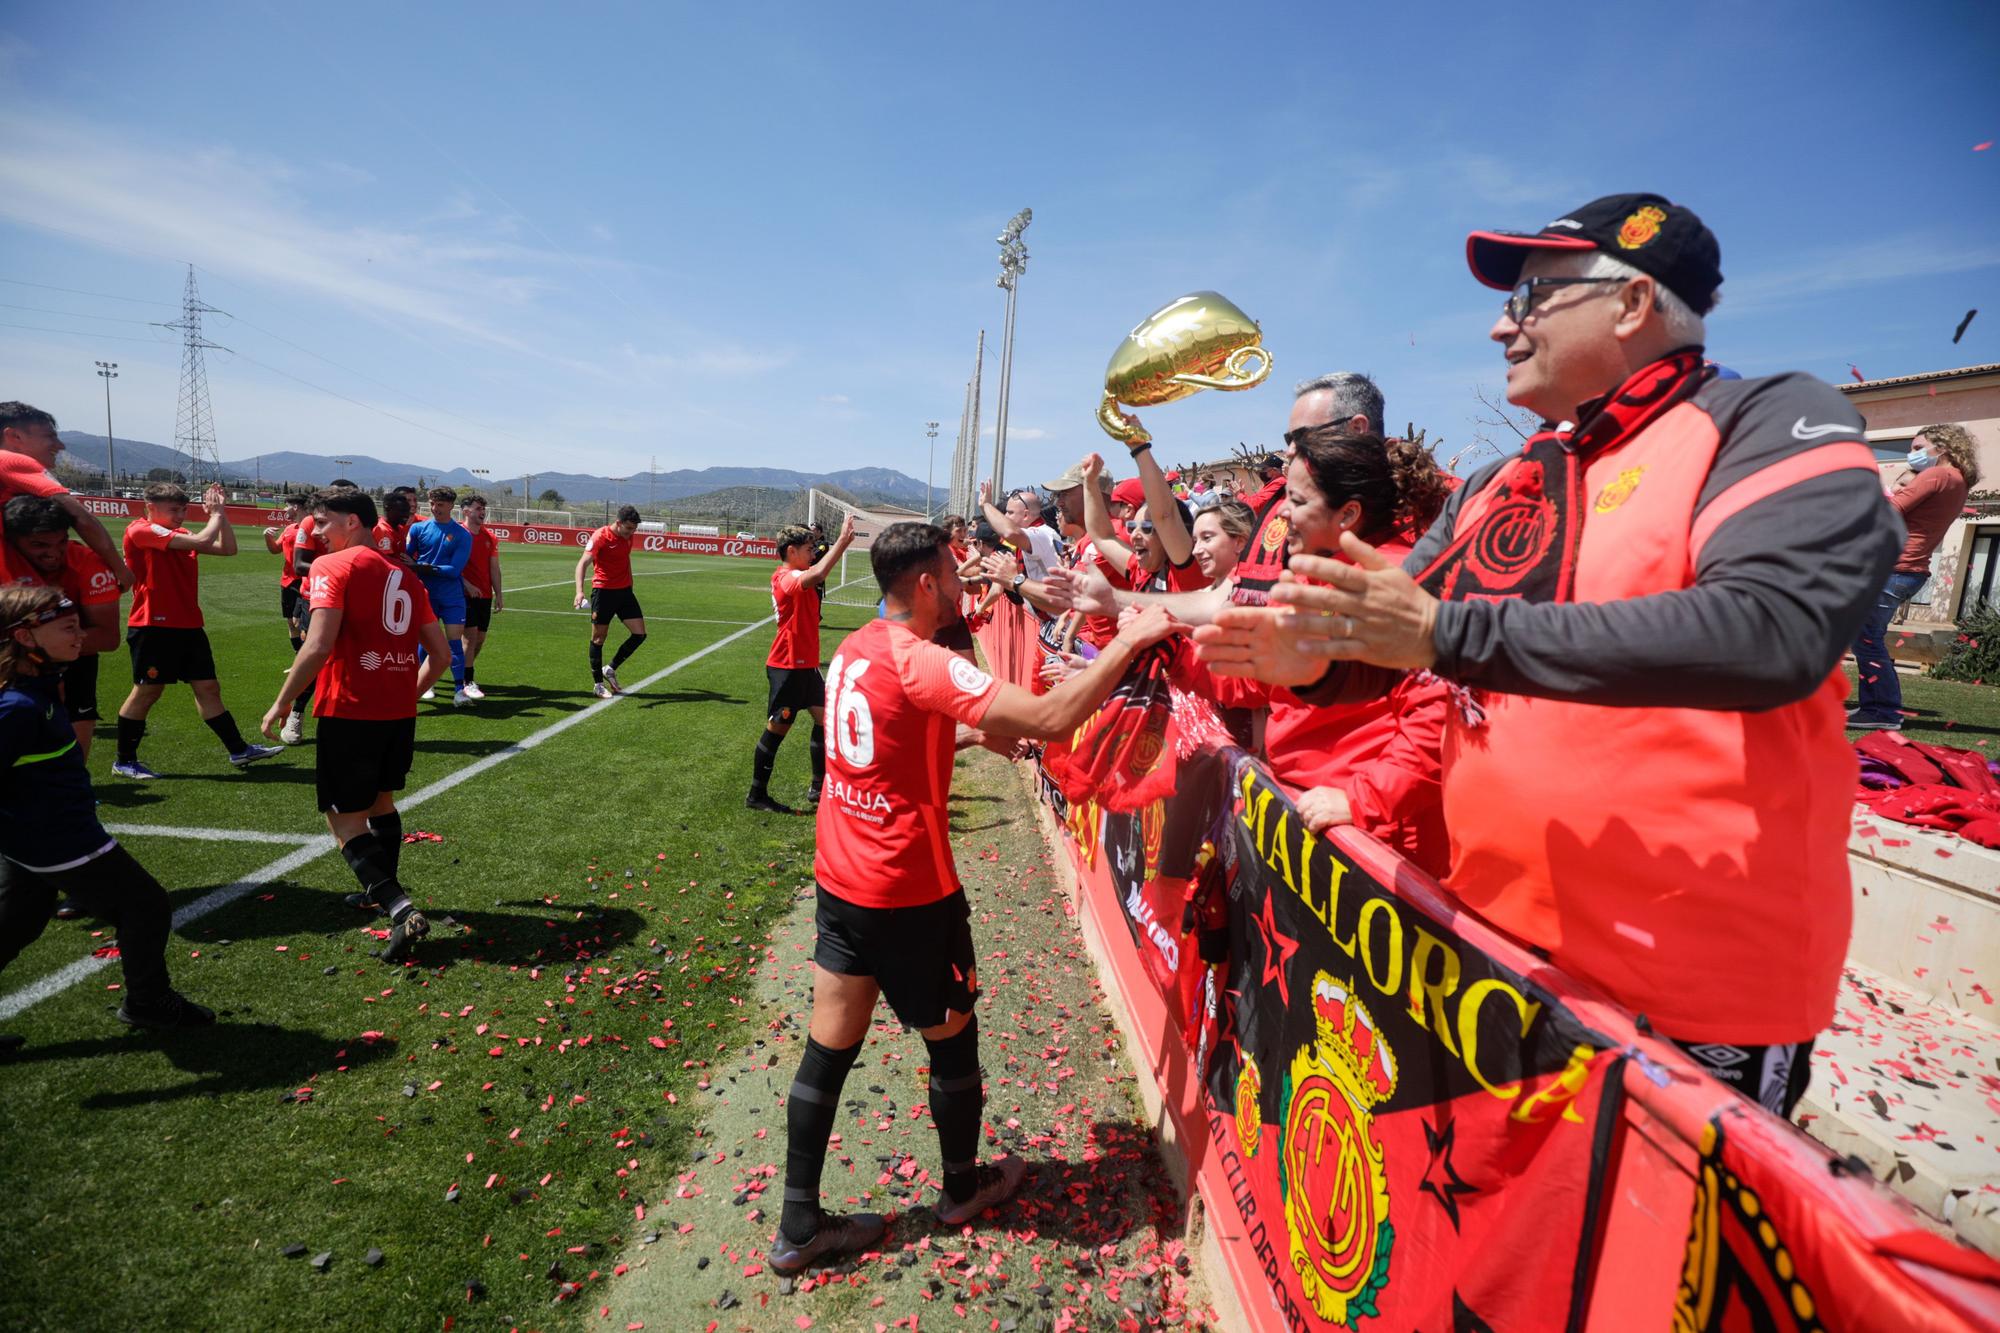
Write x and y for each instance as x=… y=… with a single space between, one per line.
x=1123 y=1190
x=1935 y=720
x=691 y=697
x=980 y=828
x=116 y=794
x=533 y=933
x=229 y=1057
x=503 y=701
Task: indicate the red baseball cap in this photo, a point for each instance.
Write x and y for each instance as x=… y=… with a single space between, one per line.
x=1130 y=491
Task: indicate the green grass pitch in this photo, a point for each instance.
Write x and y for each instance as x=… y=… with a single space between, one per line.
x=610 y=891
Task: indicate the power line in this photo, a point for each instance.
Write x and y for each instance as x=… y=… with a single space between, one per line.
x=83 y=333
x=297 y=347
x=71 y=314
x=379 y=411
x=380 y=383
x=135 y=300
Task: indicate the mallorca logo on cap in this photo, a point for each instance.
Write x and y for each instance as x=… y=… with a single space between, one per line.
x=1640 y=229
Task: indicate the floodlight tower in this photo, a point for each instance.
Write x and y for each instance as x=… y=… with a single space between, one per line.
x=194 y=421
x=930 y=474
x=1013 y=263
x=108 y=371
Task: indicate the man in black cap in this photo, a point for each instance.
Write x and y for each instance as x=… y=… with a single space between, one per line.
x=1644 y=613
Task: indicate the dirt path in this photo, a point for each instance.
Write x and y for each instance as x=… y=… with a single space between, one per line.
x=1085 y=1245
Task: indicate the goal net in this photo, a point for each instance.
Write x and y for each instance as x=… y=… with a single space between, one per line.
x=548 y=518
x=851 y=583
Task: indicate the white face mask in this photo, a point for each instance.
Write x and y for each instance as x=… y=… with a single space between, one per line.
x=1919 y=460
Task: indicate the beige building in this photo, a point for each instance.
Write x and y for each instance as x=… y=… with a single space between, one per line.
x=1965 y=570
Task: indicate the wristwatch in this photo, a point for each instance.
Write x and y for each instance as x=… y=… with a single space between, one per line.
x=1019 y=579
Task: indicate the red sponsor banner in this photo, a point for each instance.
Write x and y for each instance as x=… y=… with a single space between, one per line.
x=242 y=515
x=658 y=543
x=532 y=534
x=1397 y=1118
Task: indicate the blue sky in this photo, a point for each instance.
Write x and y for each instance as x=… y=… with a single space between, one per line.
x=578 y=237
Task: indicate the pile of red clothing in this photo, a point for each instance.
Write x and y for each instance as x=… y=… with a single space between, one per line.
x=1930 y=786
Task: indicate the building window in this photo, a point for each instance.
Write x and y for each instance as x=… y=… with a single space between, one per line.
x=1981 y=569
x=1892 y=451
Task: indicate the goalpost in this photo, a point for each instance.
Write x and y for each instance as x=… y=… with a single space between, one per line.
x=548 y=518
x=851 y=583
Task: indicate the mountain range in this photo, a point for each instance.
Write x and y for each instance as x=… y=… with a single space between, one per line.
x=866 y=484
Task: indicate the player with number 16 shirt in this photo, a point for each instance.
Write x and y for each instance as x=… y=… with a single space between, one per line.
x=370 y=616
x=892 y=918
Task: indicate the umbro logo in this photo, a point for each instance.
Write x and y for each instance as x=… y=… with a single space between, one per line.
x=1717 y=1055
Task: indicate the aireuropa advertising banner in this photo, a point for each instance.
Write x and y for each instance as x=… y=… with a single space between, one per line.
x=676 y=543
x=532 y=534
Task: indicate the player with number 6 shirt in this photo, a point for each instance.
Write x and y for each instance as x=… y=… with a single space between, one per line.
x=892 y=918
x=370 y=617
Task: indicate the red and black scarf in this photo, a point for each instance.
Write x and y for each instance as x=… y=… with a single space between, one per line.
x=1524 y=544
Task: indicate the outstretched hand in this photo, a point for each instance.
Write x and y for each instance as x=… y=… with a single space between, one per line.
x=1142 y=627
x=1084 y=589
x=1368 y=611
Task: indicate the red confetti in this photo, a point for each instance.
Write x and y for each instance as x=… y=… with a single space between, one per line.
x=1982 y=147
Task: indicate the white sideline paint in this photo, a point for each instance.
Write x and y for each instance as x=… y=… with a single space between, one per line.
x=64 y=977
x=208 y=834
x=650 y=618
x=637 y=574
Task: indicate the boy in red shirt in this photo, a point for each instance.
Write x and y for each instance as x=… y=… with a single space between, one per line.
x=482 y=585
x=370 y=615
x=282 y=540
x=792 y=666
x=307 y=544
x=892 y=918
x=394 y=525
x=38 y=551
x=610 y=598
x=28 y=448
x=165 y=631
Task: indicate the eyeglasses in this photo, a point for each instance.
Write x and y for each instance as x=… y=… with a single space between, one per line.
x=1520 y=302
x=1143 y=525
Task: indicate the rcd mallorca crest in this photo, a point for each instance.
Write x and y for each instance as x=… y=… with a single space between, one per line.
x=1333 y=1180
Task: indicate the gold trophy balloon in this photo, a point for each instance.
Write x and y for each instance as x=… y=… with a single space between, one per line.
x=1201 y=341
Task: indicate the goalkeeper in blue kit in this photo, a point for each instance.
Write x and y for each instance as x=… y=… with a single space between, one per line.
x=439 y=547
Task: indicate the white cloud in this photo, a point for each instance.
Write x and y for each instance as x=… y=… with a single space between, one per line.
x=1831 y=269
x=835 y=399
x=1015 y=432
x=709 y=360
x=251 y=218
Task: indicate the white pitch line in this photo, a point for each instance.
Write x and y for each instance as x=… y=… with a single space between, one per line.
x=207 y=834
x=637 y=574
x=585 y=615
x=63 y=978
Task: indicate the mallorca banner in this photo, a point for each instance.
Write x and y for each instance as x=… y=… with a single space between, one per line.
x=1401 y=1120
x=1413 y=1133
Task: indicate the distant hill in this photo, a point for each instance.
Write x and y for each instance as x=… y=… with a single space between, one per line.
x=765 y=508
x=866 y=485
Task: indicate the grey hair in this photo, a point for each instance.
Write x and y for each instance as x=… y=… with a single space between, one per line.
x=1683 y=325
x=1354 y=394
